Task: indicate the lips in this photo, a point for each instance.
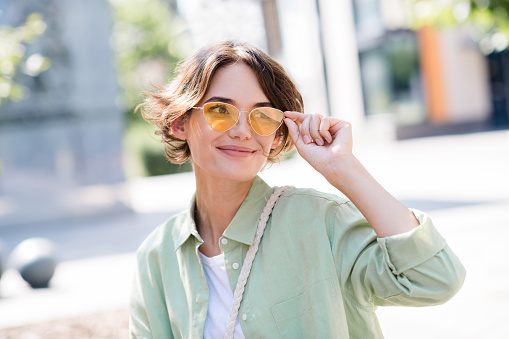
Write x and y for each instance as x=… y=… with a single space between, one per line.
x=237 y=151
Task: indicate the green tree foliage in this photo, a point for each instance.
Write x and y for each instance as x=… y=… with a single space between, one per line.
x=149 y=39
x=488 y=19
x=13 y=56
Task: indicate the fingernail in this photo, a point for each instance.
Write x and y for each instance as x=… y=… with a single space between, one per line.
x=319 y=142
x=307 y=139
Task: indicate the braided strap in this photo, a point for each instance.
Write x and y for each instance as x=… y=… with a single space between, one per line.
x=248 y=262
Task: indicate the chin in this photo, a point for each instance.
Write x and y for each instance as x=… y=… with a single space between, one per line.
x=239 y=175
x=230 y=171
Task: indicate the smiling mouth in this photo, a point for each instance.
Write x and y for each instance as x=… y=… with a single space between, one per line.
x=237 y=152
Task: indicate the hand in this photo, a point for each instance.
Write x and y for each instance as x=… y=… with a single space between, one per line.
x=326 y=144
x=323 y=141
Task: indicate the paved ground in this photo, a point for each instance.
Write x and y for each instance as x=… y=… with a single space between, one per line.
x=462 y=181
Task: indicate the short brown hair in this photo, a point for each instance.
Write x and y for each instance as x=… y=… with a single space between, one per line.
x=176 y=99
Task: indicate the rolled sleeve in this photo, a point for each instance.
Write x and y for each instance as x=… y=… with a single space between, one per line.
x=410 y=249
x=424 y=268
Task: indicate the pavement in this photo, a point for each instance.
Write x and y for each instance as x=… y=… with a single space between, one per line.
x=462 y=181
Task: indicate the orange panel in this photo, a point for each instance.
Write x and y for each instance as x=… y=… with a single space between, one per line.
x=432 y=74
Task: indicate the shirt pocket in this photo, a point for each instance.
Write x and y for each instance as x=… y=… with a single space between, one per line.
x=312 y=314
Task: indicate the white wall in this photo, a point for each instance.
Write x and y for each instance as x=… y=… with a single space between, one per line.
x=343 y=72
x=301 y=54
x=300 y=30
x=212 y=21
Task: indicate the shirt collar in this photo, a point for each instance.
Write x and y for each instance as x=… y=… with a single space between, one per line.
x=187 y=226
x=243 y=226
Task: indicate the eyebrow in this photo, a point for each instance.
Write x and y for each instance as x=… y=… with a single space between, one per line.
x=232 y=102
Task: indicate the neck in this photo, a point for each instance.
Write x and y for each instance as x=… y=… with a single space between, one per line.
x=217 y=202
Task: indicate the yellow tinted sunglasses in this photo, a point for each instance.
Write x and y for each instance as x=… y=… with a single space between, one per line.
x=221 y=117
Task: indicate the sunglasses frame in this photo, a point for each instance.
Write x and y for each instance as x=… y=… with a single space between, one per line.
x=240 y=112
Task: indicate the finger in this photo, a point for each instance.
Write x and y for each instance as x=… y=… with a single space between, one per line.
x=304 y=130
x=325 y=125
x=295 y=116
x=293 y=130
x=314 y=129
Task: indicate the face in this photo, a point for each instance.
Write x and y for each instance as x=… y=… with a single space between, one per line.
x=239 y=153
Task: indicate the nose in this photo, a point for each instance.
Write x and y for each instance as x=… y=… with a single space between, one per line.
x=242 y=129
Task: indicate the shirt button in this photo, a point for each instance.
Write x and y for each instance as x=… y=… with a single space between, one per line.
x=224 y=241
x=244 y=317
x=235 y=265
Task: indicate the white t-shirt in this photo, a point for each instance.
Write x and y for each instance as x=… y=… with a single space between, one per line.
x=220 y=299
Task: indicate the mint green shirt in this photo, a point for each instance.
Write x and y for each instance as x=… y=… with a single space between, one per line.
x=320 y=271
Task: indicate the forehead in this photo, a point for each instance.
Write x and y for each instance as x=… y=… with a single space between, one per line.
x=237 y=82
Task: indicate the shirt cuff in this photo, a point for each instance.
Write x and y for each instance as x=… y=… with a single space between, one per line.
x=407 y=250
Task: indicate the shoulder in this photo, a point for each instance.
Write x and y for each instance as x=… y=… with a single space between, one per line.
x=302 y=202
x=297 y=195
x=334 y=211
x=309 y=198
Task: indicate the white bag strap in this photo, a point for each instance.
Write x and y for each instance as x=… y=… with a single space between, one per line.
x=248 y=262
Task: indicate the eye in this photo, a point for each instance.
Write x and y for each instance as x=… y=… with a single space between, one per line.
x=265 y=116
x=218 y=109
x=266 y=113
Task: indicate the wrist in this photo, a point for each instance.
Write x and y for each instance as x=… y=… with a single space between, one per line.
x=345 y=170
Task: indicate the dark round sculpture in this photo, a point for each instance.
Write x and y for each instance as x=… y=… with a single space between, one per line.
x=35 y=260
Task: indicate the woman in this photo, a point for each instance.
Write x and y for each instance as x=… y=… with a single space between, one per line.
x=323 y=263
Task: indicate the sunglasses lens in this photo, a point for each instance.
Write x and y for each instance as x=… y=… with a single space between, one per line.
x=266 y=120
x=219 y=116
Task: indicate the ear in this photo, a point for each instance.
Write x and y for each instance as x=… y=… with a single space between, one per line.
x=178 y=129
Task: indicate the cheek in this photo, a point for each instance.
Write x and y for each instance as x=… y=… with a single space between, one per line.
x=197 y=133
x=267 y=145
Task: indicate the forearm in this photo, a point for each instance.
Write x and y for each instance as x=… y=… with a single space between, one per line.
x=385 y=213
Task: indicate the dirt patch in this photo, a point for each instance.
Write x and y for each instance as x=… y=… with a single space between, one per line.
x=113 y=324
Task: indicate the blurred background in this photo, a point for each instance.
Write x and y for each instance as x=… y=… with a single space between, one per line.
x=425 y=84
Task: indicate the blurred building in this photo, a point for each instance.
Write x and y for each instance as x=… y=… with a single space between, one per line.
x=61 y=144
x=431 y=81
x=360 y=60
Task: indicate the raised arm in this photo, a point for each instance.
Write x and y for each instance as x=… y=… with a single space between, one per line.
x=326 y=144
